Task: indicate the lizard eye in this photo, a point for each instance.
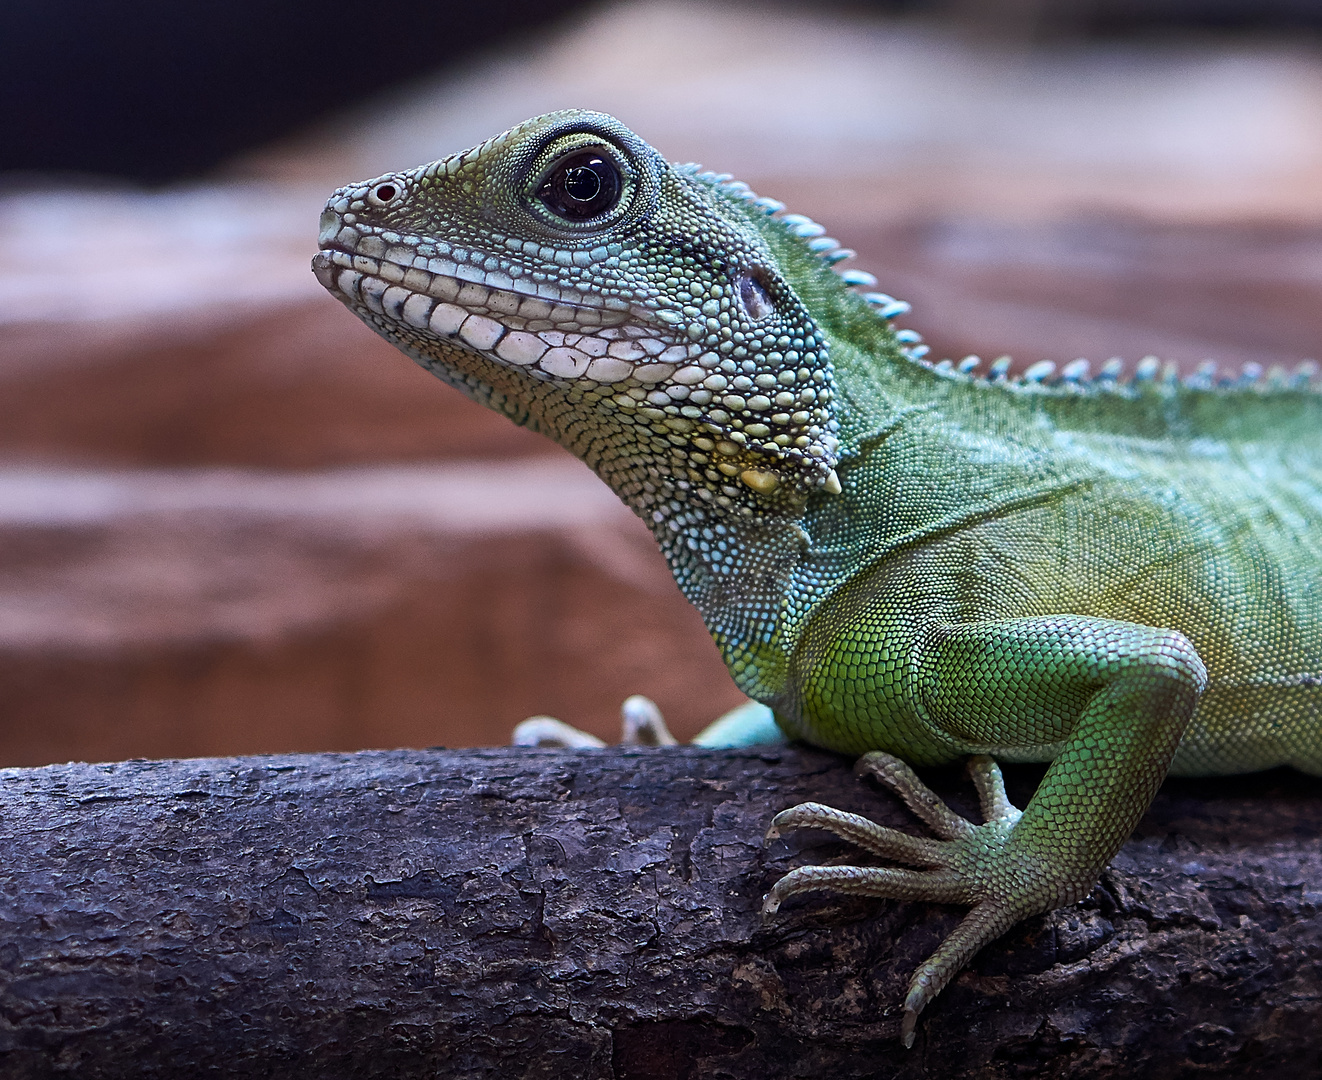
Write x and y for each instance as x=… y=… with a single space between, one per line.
x=581 y=185
x=384 y=193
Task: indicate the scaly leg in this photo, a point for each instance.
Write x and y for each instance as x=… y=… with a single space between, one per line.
x=1109 y=699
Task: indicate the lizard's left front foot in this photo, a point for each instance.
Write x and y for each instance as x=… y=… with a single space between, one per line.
x=641 y=724
x=970 y=864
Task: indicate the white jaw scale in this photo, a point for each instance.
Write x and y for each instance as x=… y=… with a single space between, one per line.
x=552 y=337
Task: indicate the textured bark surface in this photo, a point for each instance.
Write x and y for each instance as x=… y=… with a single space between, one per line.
x=490 y=913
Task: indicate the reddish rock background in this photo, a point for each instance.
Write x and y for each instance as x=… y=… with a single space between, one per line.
x=232 y=520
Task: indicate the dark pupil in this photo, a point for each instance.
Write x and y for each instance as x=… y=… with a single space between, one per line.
x=385 y=192
x=581 y=186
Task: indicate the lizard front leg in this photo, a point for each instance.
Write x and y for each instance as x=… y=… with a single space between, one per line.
x=1111 y=698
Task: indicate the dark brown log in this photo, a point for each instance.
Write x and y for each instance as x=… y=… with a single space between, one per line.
x=595 y=914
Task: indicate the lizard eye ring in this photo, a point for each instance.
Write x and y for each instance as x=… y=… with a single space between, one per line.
x=583 y=184
x=385 y=193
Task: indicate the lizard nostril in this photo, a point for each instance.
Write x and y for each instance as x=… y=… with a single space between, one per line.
x=384 y=193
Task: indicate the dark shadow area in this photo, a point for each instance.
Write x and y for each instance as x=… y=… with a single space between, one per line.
x=154 y=91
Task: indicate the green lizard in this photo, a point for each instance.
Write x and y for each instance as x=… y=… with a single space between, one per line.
x=896 y=559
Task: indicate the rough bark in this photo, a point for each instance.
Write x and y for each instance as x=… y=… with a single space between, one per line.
x=491 y=913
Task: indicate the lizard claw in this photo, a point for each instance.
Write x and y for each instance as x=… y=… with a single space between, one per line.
x=641 y=724
x=546 y=731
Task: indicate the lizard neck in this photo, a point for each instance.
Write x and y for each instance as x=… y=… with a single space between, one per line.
x=726 y=517
x=733 y=550
x=737 y=566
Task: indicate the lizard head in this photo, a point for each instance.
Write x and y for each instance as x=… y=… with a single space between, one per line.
x=635 y=311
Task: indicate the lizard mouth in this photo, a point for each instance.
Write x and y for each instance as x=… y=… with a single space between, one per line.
x=548 y=336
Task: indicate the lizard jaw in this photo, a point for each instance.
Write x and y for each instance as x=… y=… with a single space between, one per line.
x=546 y=338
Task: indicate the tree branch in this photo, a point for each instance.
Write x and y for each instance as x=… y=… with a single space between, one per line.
x=594 y=914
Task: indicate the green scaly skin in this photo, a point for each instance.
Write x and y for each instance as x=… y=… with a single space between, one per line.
x=900 y=560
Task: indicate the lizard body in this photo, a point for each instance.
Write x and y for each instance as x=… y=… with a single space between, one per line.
x=899 y=559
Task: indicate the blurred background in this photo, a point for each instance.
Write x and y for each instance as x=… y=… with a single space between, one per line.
x=233 y=521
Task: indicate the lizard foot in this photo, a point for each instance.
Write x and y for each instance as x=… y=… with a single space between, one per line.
x=641 y=724
x=967 y=865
